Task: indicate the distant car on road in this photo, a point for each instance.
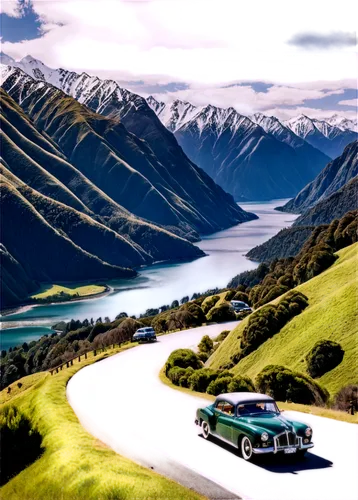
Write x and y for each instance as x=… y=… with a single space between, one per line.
x=238 y=306
x=253 y=424
x=144 y=334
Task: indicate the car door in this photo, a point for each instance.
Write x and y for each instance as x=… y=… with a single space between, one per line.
x=225 y=420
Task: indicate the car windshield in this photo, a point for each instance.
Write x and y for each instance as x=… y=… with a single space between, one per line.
x=257 y=408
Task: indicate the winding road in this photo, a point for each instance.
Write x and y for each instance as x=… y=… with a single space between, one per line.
x=122 y=402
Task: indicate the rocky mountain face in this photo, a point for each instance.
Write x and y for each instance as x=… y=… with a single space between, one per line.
x=210 y=207
x=328 y=138
x=342 y=123
x=334 y=176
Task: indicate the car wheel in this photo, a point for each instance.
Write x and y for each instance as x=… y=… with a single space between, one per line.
x=205 y=429
x=246 y=448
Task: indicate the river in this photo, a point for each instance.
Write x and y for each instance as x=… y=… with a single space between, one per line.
x=159 y=284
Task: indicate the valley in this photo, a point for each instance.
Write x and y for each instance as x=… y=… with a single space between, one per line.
x=161 y=283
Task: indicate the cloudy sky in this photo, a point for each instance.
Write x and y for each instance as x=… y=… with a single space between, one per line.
x=277 y=57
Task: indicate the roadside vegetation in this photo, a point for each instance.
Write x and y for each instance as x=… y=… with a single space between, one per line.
x=58 y=458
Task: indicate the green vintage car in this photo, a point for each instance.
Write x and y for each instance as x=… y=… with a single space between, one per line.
x=254 y=425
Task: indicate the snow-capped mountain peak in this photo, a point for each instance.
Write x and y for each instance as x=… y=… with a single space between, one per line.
x=301 y=125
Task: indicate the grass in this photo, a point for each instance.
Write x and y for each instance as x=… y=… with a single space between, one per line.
x=74 y=464
x=312 y=410
x=331 y=314
x=82 y=291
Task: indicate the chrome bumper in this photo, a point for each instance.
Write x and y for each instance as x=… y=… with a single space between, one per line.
x=275 y=448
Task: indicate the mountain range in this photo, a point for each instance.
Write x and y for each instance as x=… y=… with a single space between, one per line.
x=233 y=149
x=237 y=150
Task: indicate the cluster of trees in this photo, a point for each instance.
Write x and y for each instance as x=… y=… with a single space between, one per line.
x=56 y=297
x=269 y=281
x=283 y=384
x=267 y=321
x=185 y=368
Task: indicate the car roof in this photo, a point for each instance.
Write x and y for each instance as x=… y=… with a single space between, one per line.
x=243 y=397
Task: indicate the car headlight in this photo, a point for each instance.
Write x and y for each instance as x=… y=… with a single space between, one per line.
x=264 y=436
x=308 y=432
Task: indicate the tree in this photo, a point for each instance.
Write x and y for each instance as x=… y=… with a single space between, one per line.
x=174 y=304
x=184 y=300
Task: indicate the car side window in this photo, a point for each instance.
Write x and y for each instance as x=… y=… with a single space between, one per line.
x=228 y=408
x=219 y=405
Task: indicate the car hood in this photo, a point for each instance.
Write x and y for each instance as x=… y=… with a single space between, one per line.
x=274 y=424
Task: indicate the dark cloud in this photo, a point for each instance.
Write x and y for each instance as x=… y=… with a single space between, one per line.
x=323 y=41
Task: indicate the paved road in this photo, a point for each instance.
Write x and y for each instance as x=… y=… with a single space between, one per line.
x=122 y=402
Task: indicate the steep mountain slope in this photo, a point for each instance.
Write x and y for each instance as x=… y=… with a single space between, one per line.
x=337 y=173
x=331 y=314
x=331 y=140
x=59 y=226
x=53 y=176
x=45 y=254
x=233 y=150
x=332 y=207
x=195 y=196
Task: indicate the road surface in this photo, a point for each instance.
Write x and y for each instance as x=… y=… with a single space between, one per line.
x=122 y=402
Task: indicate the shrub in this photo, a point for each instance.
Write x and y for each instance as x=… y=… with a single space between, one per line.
x=221 y=314
x=347 y=398
x=219 y=386
x=230 y=295
x=241 y=384
x=209 y=303
x=242 y=296
x=175 y=374
x=20 y=444
x=284 y=384
x=184 y=379
x=206 y=344
x=200 y=379
x=183 y=358
x=324 y=356
x=222 y=336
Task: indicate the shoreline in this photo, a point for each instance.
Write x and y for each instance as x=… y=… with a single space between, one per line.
x=26 y=307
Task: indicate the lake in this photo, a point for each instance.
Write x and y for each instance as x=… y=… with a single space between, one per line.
x=160 y=284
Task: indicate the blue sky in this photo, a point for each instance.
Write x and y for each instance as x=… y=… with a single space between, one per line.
x=252 y=59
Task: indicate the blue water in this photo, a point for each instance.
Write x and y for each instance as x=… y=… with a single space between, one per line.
x=162 y=283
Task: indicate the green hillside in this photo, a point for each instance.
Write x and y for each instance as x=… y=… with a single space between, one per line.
x=331 y=314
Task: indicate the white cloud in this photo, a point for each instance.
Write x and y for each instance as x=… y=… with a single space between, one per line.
x=11 y=8
x=286 y=113
x=205 y=43
x=349 y=102
x=197 y=41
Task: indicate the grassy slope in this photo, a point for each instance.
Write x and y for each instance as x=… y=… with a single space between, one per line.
x=331 y=314
x=74 y=464
x=83 y=291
